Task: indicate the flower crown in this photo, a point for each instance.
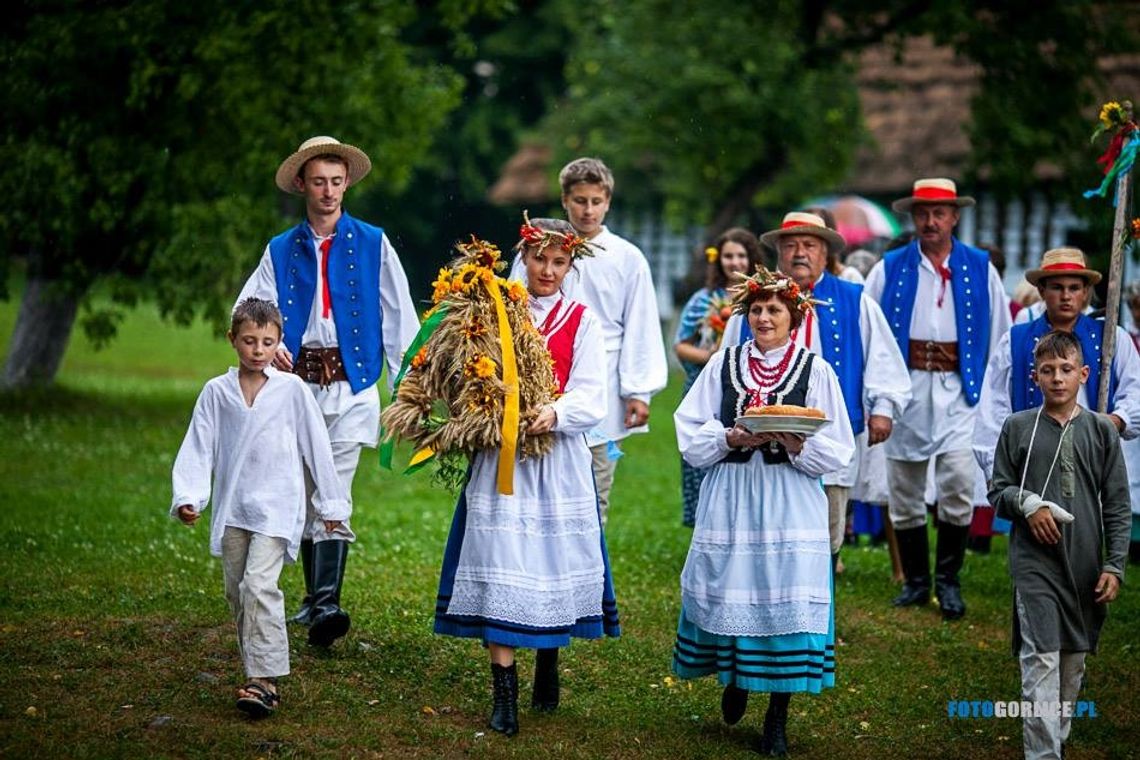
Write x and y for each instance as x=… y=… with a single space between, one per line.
x=749 y=288
x=573 y=244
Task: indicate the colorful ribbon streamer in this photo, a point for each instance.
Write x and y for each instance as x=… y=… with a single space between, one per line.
x=506 y=480
x=1122 y=165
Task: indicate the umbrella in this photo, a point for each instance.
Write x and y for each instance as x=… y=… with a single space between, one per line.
x=860 y=219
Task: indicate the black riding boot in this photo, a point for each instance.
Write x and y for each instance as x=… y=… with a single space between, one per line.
x=505 y=683
x=948 y=558
x=733 y=703
x=774 y=742
x=914 y=551
x=545 y=695
x=329 y=621
x=304 y=615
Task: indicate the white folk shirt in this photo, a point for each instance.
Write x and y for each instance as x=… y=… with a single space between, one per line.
x=616 y=286
x=354 y=417
x=938 y=418
x=995 y=405
x=254 y=455
x=886 y=383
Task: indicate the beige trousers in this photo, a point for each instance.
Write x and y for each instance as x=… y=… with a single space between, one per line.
x=1046 y=677
x=251 y=566
x=954 y=476
x=604 y=469
x=346 y=456
x=837 y=514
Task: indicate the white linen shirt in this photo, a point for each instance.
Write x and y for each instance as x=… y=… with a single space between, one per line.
x=995 y=404
x=938 y=419
x=351 y=417
x=886 y=383
x=616 y=286
x=254 y=455
x=702 y=436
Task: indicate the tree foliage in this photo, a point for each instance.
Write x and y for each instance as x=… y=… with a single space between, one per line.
x=140 y=137
x=513 y=70
x=714 y=107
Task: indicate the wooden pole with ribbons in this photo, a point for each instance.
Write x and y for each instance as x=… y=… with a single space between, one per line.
x=1116 y=119
x=1121 y=233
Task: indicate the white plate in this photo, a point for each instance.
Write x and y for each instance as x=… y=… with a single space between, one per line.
x=779 y=423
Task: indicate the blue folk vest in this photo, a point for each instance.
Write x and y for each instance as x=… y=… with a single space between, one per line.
x=354 y=287
x=841 y=343
x=1023 y=392
x=970 y=285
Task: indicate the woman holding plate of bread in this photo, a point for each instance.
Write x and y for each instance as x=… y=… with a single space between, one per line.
x=768 y=420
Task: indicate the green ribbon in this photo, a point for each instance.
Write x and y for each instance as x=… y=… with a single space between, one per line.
x=427 y=329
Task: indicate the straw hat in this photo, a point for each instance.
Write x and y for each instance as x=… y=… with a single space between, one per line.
x=801 y=223
x=358 y=162
x=1063 y=261
x=936 y=190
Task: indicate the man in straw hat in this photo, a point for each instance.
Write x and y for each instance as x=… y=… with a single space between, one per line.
x=848 y=330
x=1064 y=281
x=344 y=299
x=946 y=307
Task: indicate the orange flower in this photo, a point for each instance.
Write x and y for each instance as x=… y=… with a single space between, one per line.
x=1136 y=228
x=474 y=329
x=516 y=291
x=441 y=286
x=480 y=366
x=420 y=358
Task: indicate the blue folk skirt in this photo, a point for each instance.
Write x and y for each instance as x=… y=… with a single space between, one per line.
x=794 y=662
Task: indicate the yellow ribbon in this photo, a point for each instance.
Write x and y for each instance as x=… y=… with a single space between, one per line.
x=511 y=402
x=422 y=455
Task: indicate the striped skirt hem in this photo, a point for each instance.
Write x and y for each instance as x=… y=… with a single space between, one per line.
x=795 y=662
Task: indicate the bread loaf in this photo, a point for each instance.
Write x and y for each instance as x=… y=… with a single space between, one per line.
x=784 y=410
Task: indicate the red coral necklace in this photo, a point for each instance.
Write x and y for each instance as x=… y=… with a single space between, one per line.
x=767 y=376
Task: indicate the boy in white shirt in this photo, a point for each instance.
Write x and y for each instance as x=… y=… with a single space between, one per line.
x=251 y=430
x=616 y=286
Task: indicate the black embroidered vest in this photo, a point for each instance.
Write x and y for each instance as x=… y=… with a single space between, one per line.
x=791 y=390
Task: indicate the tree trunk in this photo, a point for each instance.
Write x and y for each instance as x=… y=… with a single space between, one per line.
x=47 y=314
x=738 y=199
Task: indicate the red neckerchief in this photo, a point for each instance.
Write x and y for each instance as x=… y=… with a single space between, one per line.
x=326 y=296
x=944 y=274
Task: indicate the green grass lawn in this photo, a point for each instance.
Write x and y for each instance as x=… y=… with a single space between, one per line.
x=115 y=639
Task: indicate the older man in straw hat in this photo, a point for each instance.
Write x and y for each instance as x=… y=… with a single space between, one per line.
x=1064 y=281
x=946 y=307
x=849 y=331
x=344 y=299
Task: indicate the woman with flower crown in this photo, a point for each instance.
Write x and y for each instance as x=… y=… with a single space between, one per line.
x=757 y=606
x=701 y=327
x=530 y=569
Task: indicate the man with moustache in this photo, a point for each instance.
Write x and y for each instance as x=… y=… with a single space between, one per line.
x=947 y=309
x=849 y=331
